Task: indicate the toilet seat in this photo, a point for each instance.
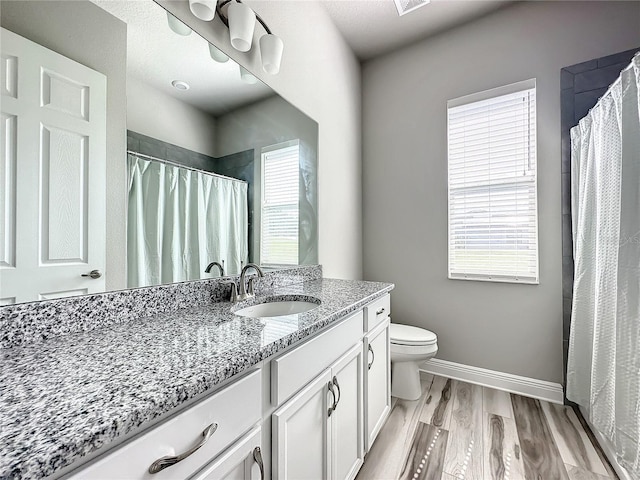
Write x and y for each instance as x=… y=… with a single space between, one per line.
x=411 y=336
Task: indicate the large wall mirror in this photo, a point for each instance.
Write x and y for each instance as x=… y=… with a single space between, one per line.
x=134 y=153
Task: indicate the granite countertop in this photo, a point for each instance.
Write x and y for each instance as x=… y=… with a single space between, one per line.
x=66 y=397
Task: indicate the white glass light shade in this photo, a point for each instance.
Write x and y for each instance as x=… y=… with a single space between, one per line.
x=247 y=76
x=217 y=54
x=242 y=22
x=271 y=52
x=177 y=26
x=203 y=9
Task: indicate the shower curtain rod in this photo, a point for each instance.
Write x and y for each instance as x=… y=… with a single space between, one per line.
x=179 y=165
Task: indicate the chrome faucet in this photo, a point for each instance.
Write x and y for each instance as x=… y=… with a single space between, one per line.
x=211 y=265
x=243 y=292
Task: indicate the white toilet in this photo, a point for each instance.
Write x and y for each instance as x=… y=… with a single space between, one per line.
x=410 y=346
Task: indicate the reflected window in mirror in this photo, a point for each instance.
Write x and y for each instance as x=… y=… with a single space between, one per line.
x=279 y=237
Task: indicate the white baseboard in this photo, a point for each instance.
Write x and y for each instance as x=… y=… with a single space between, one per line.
x=528 y=387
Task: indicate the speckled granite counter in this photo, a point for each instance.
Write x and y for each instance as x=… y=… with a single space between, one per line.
x=66 y=397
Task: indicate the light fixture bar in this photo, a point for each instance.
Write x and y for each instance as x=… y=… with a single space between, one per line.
x=241 y=29
x=225 y=20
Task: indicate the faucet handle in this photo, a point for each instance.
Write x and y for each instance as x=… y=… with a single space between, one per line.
x=250 y=288
x=234 y=291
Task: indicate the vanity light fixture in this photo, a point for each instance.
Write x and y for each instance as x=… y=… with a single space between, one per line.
x=177 y=26
x=203 y=9
x=241 y=21
x=180 y=85
x=217 y=54
x=246 y=76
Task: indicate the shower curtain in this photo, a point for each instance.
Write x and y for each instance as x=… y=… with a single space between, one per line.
x=180 y=220
x=603 y=373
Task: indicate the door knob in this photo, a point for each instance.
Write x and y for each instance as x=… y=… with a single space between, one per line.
x=93 y=274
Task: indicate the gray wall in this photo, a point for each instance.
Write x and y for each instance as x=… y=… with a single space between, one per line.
x=503 y=327
x=169 y=120
x=102 y=46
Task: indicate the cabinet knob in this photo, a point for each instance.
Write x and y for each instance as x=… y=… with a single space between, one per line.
x=380 y=311
x=373 y=357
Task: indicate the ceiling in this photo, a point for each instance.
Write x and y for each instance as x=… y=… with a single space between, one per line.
x=157 y=56
x=373 y=27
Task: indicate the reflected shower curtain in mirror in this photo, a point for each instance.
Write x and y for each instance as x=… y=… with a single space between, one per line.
x=603 y=373
x=180 y=220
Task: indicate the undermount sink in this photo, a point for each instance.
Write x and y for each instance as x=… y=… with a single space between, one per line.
x=278 y=308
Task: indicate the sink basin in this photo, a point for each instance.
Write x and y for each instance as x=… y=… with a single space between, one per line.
x=278 y=308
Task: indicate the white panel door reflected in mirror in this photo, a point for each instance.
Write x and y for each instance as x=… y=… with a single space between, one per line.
x=53 y=124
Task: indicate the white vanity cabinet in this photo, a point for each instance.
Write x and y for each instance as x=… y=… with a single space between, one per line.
x=377 y=372
x=347 y=439
x=242 y=461
x=214 y=424
x=300 y=431
x=318 y=433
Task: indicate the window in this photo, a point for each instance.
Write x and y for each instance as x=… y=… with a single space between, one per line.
x=493 y=213
x=280 y=199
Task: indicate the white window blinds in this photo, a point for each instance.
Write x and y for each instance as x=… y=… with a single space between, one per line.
x=280 y=199
x=493 y=227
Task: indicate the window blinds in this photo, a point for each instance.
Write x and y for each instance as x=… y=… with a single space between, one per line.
x=280 y=198
x=493 y=229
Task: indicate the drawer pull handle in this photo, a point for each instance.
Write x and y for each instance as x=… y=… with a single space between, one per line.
x=257 y=457
x=373 y=357
x=333 y=395
x=380 y=312
x=167 y=461
x=335 y=382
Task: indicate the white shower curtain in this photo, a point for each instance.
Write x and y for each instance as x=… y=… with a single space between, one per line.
x=180 y=220
x=603 y=373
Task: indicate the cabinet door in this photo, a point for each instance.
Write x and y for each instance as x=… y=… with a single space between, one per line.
x=301 y=433
x=377 y=381
x=242 y=461
x=347 y=449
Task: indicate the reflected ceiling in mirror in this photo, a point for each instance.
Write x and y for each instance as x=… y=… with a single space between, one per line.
x=157 y=56
x=214 y=169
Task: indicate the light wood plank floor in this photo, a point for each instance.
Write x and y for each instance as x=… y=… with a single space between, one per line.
x=459 y=431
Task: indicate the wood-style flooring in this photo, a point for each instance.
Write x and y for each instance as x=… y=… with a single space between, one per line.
x=461 y=431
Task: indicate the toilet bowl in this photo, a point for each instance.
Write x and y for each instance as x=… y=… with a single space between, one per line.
x=410 y=346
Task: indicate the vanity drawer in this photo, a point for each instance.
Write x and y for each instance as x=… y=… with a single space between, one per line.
x=376 y=312
x=292 y=371
x=236 y=409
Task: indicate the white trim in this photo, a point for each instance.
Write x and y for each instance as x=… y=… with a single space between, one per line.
x=606 y=447
x=493 y=92
x=528 y=387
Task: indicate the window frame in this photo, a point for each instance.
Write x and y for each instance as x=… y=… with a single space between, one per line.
x=264 y=151
x=488 y=276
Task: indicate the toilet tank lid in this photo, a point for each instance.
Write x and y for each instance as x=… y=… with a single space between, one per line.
x=408 y=335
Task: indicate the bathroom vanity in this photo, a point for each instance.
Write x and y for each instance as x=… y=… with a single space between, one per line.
x=301 y=395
